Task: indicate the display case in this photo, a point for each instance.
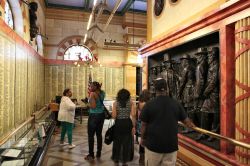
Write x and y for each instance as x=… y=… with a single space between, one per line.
x=27 y=145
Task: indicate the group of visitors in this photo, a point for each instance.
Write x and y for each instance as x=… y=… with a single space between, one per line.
x=156 y=117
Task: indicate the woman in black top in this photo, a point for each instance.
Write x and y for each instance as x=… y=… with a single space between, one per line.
x=124 y=114
x=143 y=98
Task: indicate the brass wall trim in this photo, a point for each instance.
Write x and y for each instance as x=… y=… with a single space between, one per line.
x=221 y=137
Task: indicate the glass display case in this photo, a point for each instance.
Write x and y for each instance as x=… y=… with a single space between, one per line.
x=28 y=144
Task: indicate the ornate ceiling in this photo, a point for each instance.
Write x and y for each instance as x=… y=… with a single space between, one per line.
x=86 y=5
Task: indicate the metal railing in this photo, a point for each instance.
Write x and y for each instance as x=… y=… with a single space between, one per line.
x=14 y=131
x=218 y=136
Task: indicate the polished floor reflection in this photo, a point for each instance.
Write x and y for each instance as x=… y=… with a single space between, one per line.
x=62 y=156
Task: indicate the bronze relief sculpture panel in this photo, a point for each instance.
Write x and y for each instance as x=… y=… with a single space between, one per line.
x=193 y=79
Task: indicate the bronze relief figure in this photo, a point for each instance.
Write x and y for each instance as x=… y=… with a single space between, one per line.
x=170 y=76
x=210 y=108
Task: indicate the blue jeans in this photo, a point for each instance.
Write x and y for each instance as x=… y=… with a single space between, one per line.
x=95 y=125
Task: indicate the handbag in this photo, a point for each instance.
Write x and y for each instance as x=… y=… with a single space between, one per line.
x=106 y=113
x=109 y=135
x=105 y=110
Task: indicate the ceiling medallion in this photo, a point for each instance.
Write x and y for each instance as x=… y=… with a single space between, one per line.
x=158 y=7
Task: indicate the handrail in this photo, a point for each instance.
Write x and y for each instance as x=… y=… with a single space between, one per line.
x=30 y=119
x=212 y=134
x=8 y=136
x=37 y=113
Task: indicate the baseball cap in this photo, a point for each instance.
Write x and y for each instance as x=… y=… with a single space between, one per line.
x=160 y=84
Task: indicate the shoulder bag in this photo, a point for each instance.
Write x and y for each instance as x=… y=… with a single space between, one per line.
x=105 y=110
x=109 y=135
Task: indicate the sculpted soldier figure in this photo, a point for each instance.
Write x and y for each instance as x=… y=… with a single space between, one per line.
x=210 y=107
x=152 y=77
x=158 y=69
x=187 y=81
x=201 y=78
x=170 y=76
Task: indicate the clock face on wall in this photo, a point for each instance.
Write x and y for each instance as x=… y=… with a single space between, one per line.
x=158 y=7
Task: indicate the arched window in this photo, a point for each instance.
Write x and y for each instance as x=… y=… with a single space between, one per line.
x=78 y=52
x=8 y=17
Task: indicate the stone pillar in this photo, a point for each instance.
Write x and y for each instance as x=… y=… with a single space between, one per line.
x=130 y=79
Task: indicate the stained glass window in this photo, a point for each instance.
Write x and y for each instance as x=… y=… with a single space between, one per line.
x=78 y=52
x=8 y=17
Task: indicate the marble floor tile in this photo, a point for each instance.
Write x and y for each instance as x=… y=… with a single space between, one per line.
x=63 y=156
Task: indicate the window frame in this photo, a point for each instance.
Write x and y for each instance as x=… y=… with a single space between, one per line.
x=11 y=12
x=79 y=45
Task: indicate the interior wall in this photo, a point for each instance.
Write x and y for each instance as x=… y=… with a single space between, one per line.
x=27 y=84
x=180 y=12
x=59 y=77
x=20 y=13
x=130 y=79
x=21 y=70
x=112 y=73
x=57 y=30
x=21 y=82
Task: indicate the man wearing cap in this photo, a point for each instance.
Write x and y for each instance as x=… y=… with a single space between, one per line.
x=210 y=107
x=169 y=75
x=186 y=92
x=160 y=116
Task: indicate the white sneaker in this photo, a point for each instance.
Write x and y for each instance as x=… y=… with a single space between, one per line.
x=72 y=146
x=63 y=144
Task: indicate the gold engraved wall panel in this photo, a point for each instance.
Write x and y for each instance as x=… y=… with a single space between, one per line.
x=76 y=81
x=21 y=85
x=7 y=70
x=83 y=79
x=59 y=77
x=54 y=81
x=31 y=91
x=35 y=85
x=117 y=83
x=48 y=82
x=99 y=75
x=114 y=81
x=109 y=80
x=41 y=85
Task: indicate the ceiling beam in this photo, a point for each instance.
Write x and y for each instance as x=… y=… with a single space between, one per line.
x=50 y=5
x=86 y=6
x=121 y=44
x=127 y=6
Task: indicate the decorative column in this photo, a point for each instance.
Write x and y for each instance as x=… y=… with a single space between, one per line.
x=242 y=76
